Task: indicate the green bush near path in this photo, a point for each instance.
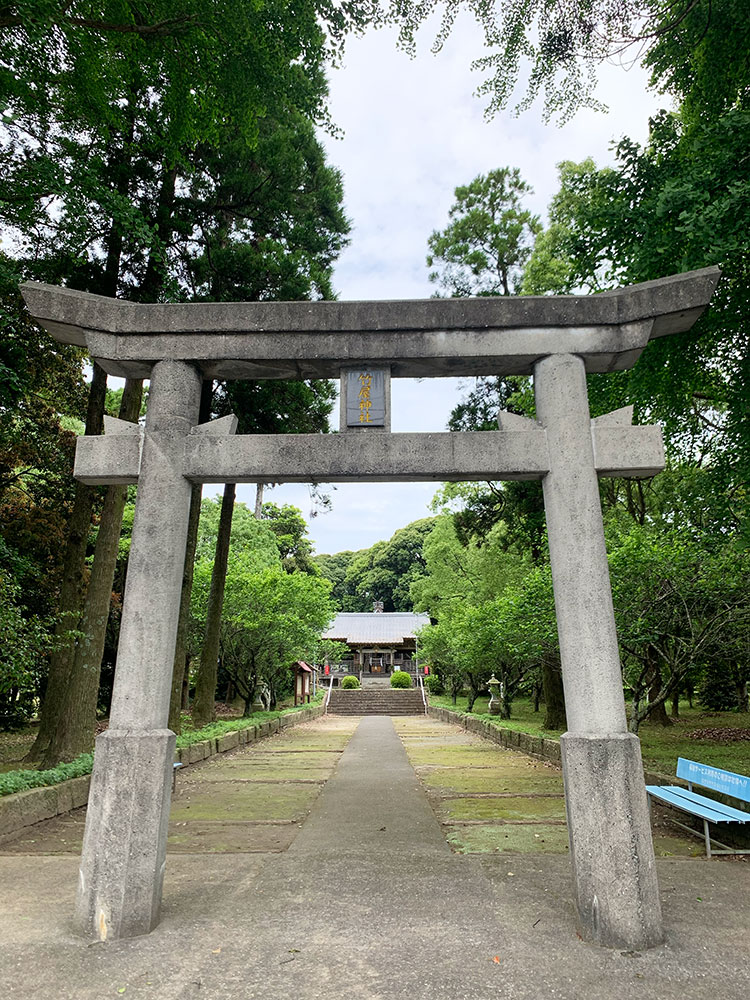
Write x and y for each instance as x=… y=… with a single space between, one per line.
x=400 y=679
x=433 y=684
x=350 y=683
x=22 y=780
x=722 y=741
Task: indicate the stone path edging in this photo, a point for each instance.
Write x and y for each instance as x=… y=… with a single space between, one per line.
x=33 y=805
x=537 y=746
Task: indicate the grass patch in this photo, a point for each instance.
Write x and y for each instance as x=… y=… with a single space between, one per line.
x=660 y=745
x=23 y=779
x=20 y=781
x=524 y=718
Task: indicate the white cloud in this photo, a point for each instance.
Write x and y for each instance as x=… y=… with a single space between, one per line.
x=413 y=131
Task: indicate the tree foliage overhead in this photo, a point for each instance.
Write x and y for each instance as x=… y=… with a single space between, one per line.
x=678 y=545
x=556 y=47
x=158 y=152
x=129 y=156
x=680 y=202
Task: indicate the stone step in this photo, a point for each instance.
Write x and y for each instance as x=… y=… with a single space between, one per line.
x=391 y=701
x=358 y=701
x=411 y=712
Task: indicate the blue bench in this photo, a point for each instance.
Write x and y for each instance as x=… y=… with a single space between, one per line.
x=736 y=786
x=175 y=768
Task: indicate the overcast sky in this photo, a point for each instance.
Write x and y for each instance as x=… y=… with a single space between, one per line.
x=413 y=131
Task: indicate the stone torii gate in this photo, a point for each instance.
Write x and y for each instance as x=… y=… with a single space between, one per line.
x=555 y=339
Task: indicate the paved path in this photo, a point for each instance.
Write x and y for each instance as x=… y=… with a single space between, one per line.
x=369 y=902
x=373 y=804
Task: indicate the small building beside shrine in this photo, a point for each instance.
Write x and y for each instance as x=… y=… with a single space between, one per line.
x=379 y=642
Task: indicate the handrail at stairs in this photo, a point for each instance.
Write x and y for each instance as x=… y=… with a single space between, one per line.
x=421 y=688
x=328 y=697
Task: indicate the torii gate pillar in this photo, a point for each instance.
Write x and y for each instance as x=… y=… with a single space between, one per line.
x=614 y=873
x=125 y=841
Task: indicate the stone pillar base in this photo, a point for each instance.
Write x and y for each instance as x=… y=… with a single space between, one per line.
x=124 y=846
x=617 y=893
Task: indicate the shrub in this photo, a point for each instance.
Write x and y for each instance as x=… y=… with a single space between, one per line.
x=717 y=693
x=350 y=682
x=433 y=684
x=400 y=679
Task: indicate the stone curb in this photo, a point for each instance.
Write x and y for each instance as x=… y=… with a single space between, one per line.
x=36 y=804
x=241 y=737
x=534 y=746
x=33 y=805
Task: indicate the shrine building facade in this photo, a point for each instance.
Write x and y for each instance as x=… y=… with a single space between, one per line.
x=379 y=642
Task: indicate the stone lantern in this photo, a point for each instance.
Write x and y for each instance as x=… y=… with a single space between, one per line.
x=494 y=685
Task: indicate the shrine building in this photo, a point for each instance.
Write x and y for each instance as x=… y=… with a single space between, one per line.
x=379 y=642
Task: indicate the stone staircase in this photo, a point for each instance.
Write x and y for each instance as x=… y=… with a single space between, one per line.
x=376 y=701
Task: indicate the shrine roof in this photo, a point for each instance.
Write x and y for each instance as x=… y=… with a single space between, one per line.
x=376 y=627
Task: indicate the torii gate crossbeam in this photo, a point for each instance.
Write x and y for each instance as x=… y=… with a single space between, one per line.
x=558 y=340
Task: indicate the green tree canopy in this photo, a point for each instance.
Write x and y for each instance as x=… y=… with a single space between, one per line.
x=289 y=528
x=270 y=619
x=486 y=244
x=250 y=538
x=386 y=571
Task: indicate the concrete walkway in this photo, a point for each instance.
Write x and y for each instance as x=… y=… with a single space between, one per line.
x=369 y=902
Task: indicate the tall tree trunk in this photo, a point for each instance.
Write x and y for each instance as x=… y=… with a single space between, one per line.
x=72 y=589
x=179 y=668
x=506 y=704
x=179 y=699
x=205 y=687
x=675 y=713
x=658 y=713
x=153 y=281
x=554 y=696
x=743 y=700
x=259 y=501
x=77 y=722
x=186 y=685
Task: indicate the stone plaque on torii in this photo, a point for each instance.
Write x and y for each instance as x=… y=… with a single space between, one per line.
x=558 y=340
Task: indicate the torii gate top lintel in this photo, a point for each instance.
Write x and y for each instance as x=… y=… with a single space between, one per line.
x=415 y=338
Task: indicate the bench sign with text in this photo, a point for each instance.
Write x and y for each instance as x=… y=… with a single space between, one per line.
x=365 y=398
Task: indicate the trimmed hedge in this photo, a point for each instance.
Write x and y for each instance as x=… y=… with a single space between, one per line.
x=350 y=683
x=400 y=679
